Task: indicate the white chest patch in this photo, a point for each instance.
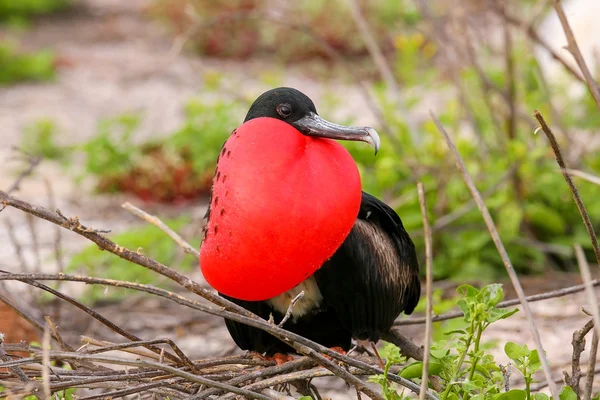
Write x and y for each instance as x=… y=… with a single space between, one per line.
x=312 y=299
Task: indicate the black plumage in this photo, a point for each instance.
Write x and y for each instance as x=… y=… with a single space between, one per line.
x=365 y=285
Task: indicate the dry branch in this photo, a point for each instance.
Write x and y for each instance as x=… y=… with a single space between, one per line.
x=154 y=220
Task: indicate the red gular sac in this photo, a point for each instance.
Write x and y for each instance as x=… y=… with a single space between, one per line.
x=282 y=203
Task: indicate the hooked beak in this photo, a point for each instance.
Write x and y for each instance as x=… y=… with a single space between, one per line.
x=313 y=125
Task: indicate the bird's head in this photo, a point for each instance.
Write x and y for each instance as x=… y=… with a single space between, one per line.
x=284 y=197
x=297 y=109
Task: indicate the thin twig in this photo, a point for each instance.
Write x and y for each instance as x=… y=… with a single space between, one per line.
x=33 y=162
x=288 y=313
x=428 y=285
x=98 y=317
x=154 y=220
x=46 y=362
x=279 y=370
x=145 y=363
x=17 y=370
x=584 y=268
x=573 y=48
x=561 y=163
x=503 y=254
x=111 y=346
x=584 y=175
x=56 y=334
x=533 y=35
x=591 y=371
x=339 y=371
x=578 y=343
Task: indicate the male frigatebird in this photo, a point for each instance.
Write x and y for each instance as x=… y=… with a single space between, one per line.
x=287 y=213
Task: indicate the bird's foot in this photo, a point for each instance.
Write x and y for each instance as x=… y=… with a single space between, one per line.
x=381 y=364
x=279 y=358
x=337 y=349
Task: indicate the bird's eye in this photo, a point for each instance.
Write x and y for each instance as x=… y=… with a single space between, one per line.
x=285 y=110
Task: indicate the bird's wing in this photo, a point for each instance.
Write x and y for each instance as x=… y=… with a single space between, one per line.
x=374 y=275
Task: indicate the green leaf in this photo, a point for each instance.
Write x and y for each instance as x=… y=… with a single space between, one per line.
x=540 y=396
x=497 y=314
x=534 y=362
x=516 y=352
x=472 y=385
x=468 y=291
x=415 y=370
x=305 y=398
x=465 y=308
x=492 y=294
x=567 y=393
x=514 y=394
x=439 y=353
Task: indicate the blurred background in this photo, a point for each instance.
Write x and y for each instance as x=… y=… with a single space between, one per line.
x=132 y=100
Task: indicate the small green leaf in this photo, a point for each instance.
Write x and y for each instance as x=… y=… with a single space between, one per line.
x=497 y=314
x=467 y=291
x=492 y=294
x=567 y=393
x=456 y=331
x=540 y=396
x=439 y=353
x=415 y=370
x=305 y=398
x=516 y=352
x=514 y=394
x=472 y=385
x=465 y=308
x=534 y=362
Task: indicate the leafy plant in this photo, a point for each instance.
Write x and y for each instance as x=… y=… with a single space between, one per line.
x=466 y=370
x=391 y=354
x=461 y=362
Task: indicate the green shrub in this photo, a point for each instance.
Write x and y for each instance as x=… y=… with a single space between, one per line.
x=16 y=66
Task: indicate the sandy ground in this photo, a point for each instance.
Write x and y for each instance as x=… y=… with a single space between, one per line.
x=118 y=61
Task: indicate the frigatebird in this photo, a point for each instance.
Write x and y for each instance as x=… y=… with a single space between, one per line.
x=288 y=214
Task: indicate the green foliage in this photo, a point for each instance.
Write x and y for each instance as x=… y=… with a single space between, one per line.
x=148 y=239
x=16 y=66
x=225 y=34
x=39 y=139
x=531 y=207
x=25 y=8
x=112 y=151
x=391 y=354
x=203 y=133
x=466 y=371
